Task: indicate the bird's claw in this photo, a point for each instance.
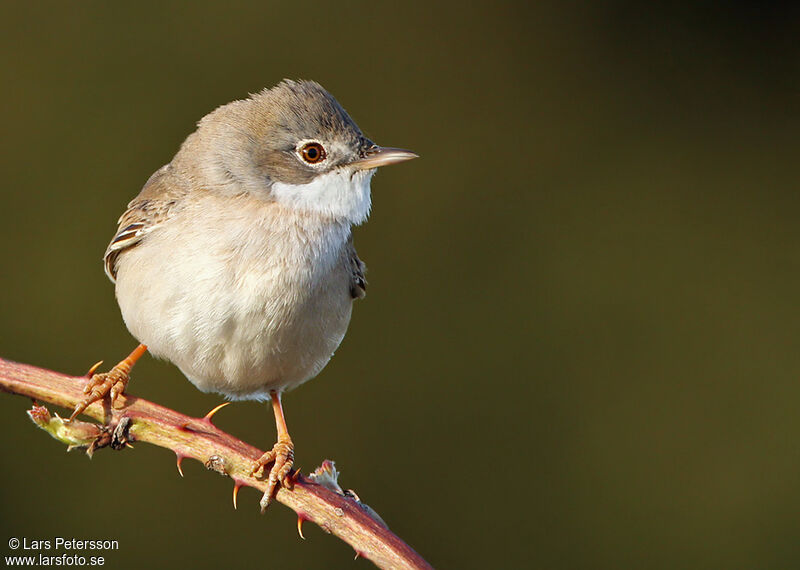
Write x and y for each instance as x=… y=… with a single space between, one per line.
x=110 y=383
x=282 y=458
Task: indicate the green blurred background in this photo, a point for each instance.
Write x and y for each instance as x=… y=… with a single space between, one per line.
x=580 y=343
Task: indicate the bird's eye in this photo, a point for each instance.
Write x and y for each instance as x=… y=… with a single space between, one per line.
x=313 y=152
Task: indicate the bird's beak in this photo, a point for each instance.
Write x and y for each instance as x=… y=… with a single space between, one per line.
x=381 y=156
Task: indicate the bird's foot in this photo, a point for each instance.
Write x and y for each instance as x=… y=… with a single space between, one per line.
x=110 y=383
x=282 y=458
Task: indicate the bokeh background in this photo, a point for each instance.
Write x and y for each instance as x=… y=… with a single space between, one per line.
x=579 y=347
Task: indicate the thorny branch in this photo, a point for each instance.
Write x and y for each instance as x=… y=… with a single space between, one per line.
x=317 y=498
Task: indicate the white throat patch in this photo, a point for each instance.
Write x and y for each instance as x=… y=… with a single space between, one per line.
x=341 y=194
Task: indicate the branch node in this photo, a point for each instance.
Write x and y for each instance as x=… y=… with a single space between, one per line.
x=217 y=463
x=120 y=437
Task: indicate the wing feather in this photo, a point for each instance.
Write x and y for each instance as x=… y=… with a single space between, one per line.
x=358 y=283
x=154 y=204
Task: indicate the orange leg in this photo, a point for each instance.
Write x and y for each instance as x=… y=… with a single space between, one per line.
x=110 y=383
x=282 y=454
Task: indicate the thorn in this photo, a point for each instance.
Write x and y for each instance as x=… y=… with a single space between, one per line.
x=236 y=487
x=93 y=369
x=180 y=469
x=210 y=414
x=295 y=476
x=357 y=556
x=300 y=526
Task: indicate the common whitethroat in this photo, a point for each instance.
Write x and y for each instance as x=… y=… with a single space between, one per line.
x=236 y=260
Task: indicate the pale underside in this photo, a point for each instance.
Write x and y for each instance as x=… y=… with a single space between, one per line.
x=244 y=296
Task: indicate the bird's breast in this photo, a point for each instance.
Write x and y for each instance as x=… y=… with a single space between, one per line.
x=244 y=298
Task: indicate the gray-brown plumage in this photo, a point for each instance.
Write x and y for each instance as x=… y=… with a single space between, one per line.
x=236 y=260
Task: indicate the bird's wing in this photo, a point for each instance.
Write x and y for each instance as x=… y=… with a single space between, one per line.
x=358 y=284
x=151 y=207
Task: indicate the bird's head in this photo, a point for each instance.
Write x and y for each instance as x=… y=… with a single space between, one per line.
x=293 y=144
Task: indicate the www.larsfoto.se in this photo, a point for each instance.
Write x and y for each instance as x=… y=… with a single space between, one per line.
x=63 y=560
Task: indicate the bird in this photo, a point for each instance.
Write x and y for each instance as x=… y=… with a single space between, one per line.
x=236 y=261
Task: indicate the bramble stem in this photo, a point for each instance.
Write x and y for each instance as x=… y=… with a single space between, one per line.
x=198 y=438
